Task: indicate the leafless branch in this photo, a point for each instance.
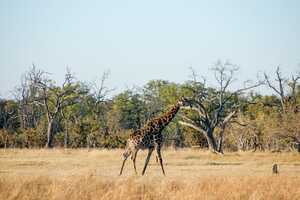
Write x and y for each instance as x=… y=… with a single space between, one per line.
x=191 y=126
x=100 y=90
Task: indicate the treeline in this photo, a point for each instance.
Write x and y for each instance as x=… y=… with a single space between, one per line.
x=77 y=114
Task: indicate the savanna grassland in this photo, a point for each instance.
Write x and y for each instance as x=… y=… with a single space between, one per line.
x=191 y=174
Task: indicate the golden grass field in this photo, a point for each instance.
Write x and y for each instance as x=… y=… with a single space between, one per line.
x=190 y=174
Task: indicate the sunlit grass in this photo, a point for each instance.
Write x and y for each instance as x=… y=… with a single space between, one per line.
x=191 y=174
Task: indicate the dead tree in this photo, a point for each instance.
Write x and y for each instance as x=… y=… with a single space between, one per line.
x=100 y=92
x=214 y=108
x=29 y=114
x=51 y=97
x=286 y=90
x=100 y=105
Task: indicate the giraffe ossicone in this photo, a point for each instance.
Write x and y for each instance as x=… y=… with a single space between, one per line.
x=150 y=136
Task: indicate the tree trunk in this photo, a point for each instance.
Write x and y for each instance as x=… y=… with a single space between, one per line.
x=212 y=145
x=50 y=134
x=66 y=135
x=6 y=142
x=220 y=144
x=66 y=139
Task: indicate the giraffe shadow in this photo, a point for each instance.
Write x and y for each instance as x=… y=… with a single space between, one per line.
x=205 y=164
x=223 y=163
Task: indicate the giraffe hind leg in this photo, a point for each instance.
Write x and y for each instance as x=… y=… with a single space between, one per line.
x=160 y=160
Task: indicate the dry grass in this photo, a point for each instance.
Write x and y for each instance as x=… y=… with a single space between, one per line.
x=191 y=174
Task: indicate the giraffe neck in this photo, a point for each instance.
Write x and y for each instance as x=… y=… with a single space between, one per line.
x=166 y=118
x=159 y=123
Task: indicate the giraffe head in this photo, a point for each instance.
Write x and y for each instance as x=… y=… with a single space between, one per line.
x=183 y=101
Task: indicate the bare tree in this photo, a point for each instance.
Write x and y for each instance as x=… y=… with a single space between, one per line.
x=51 y=97
x=29 y=113
x=100 y=92
x=100 y=104
x=285 y=89
x=214 y=108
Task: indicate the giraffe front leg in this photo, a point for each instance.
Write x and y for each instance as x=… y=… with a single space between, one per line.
x=160 y=159
x=147 y=159
x=126 y=154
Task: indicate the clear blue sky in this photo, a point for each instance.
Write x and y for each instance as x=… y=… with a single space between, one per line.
x=143 y=40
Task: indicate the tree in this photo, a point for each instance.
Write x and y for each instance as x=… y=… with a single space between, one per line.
x=29 y=114
x=8 y=115
x=130 y=109
x=51 y=97
x=285 y=88
x=214 y=108
x=152 y=97
x=74 y=114
x=100 y=103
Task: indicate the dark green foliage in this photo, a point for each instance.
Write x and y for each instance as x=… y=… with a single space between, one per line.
x=130 y=110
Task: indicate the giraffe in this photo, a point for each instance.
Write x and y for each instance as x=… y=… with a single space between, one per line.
x=150 y=136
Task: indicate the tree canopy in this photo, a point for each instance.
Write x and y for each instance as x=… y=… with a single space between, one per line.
x=80 y=114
